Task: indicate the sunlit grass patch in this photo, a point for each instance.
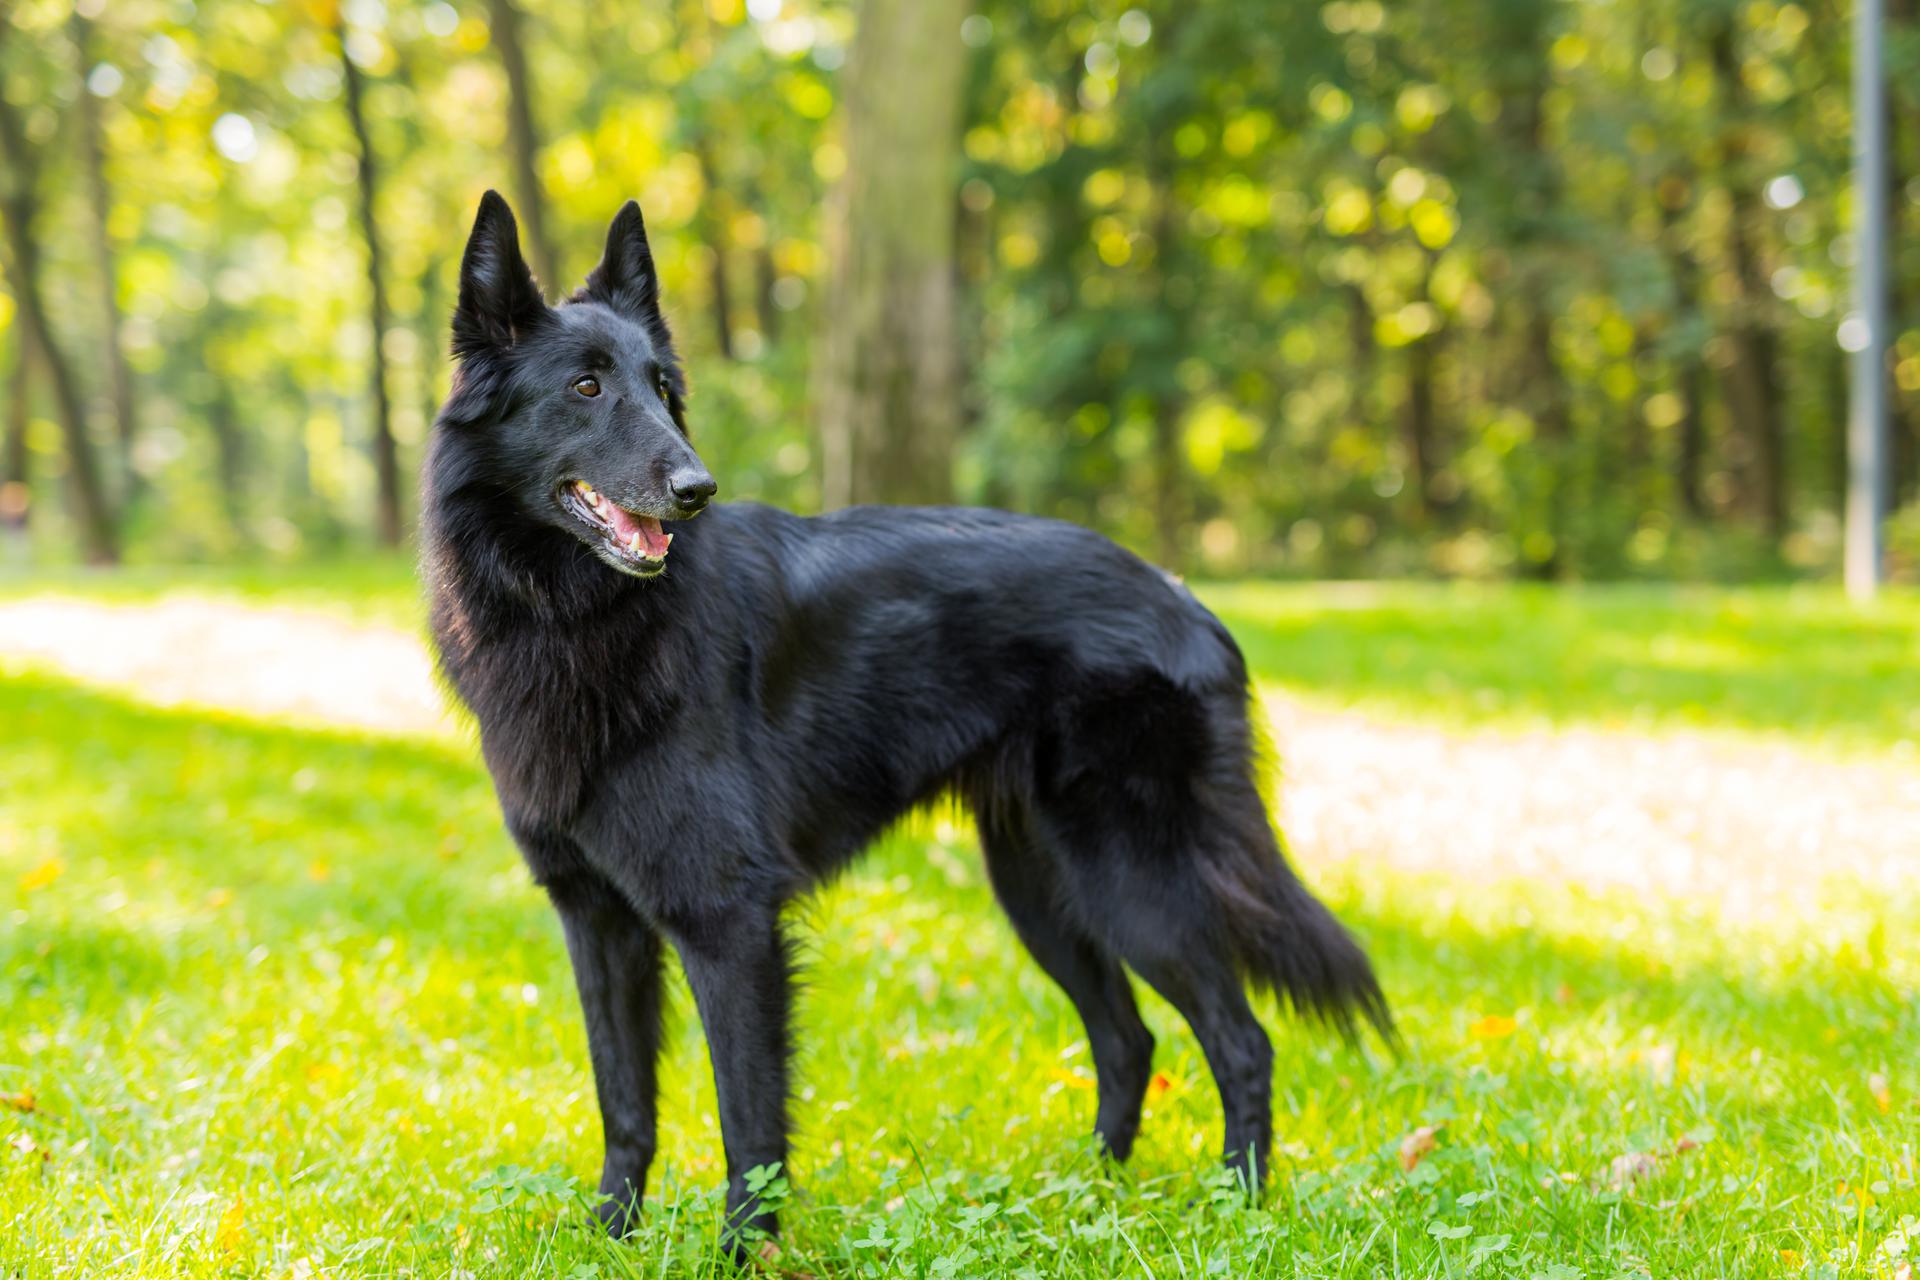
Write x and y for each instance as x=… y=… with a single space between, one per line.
x=284 y=1003
x=1766 y=660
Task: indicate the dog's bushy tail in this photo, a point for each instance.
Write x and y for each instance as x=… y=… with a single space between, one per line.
x=1284 y=939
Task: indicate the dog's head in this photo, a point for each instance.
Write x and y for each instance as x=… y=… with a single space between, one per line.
x=583 y=404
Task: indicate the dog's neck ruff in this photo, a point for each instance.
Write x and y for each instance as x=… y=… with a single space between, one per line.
x=493 y=567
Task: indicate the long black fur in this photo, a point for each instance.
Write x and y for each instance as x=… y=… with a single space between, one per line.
x=681 y=756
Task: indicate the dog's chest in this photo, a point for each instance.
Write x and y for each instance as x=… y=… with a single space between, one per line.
x=555 y=715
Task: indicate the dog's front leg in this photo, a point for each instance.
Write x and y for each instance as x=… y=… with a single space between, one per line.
x=616 y=967
x=736 y=963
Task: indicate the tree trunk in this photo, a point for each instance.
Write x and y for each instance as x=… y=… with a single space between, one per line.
x=1690 y=457
x=713 y=221
x=1905 y=408
x=430 y=322
x=766 y=312
x=1753 y=379
x=93 y=163
x=1423 y=429
x=386 y=462
x=16 y=463
x=1551 y=413
x=98 y=537
x=1545 y=392
x=1360 y=341
x=1838 y=369
x=1170 y=514
x=888 y=398
x=523 y=142
x=230 y=459
x=1422 y=447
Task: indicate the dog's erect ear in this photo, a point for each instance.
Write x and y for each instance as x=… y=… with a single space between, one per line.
x=625 y=279
x=499 y=300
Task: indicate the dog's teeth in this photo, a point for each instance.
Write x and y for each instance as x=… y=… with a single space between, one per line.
x=586 y=491
x=666 y=544
x=633 y=540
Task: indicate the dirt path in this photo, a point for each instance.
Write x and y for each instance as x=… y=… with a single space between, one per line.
x=305 y=666
x=1753 y=824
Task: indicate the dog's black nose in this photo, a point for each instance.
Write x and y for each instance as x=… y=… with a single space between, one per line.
x=691 y=488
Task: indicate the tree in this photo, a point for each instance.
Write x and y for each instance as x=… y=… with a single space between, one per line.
x=18 y=206
x=888 y=402
x=713 y=218
x=1753 y=388
x=386 y=463
x=1521 y=71
x=93 y=166
x=523 y=142
x=16 y=463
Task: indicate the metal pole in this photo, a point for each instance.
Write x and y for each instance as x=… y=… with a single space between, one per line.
x=1865 y=331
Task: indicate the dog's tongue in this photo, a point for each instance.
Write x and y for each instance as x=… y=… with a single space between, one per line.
x=653 y=539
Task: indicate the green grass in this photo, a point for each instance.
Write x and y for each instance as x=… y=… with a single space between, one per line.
x=286 y=1004
x=1801 y=661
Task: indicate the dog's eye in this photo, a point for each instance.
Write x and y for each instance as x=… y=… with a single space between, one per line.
x=660 y=385
x=588 y=387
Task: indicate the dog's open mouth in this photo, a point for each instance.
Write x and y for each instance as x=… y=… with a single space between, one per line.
x=636 y=541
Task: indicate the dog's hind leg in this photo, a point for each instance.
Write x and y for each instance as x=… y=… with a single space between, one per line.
x=1200 y=982
x=1122 y=1046
x=1156 y=914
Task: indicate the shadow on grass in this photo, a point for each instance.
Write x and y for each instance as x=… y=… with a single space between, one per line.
x=171 y=824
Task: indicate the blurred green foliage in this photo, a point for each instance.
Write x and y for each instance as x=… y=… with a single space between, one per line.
x=1470 y=287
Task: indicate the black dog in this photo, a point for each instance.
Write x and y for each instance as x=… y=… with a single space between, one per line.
x=683 y=743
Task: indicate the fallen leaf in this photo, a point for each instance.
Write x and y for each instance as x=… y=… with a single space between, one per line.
x=1563 y=994
x=21 y=1101
x=231 y=1234
x=1630 y=1168
x=1160 y=1083
x=1416 y=1145
x=1790 y=1257
x=1882 y=1095
x=1495 y=1026
x=43 y=875
x=1073 y=1079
